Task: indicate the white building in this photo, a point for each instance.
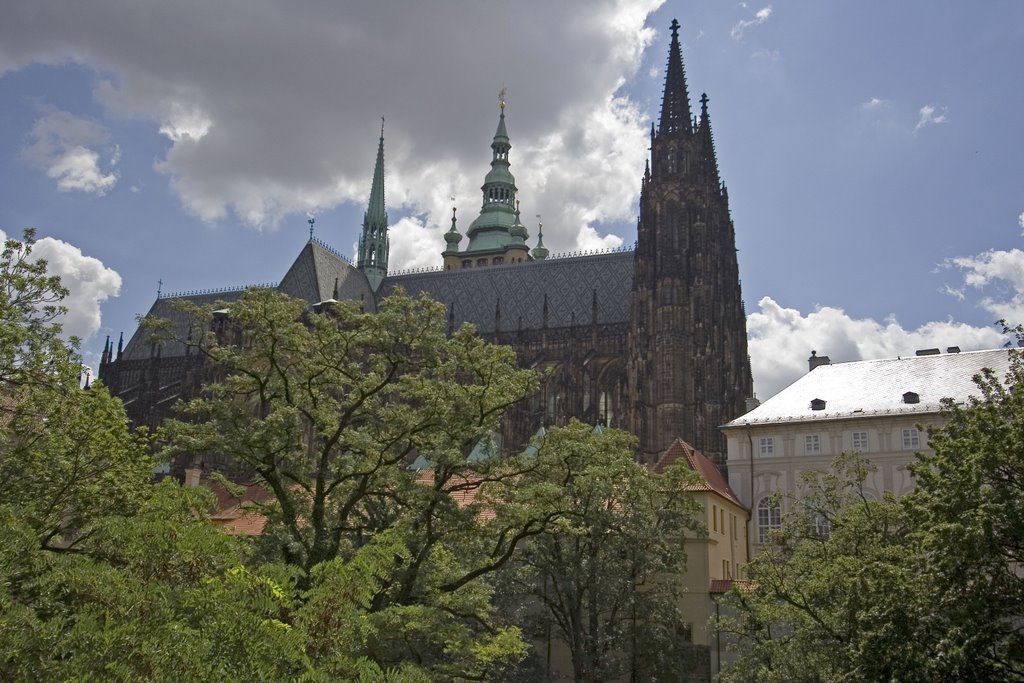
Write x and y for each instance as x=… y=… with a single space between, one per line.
x=880 y=408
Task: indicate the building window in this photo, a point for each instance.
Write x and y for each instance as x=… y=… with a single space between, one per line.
x=766 y=446
x=860 y=441
x=714 y=517
x=812 y=444
x=467 y=264
x=769 y=518
x=498 y=260
x=481 y=262
x=911 y=438
x=822 y=526
x=726 y=574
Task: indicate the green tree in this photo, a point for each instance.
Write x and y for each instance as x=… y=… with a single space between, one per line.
x=102 y=575
x=329 y=410
x=607 y=573
x=966 y=511
x=834 y=596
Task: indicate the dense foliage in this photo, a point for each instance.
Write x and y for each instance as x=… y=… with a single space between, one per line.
x=924 y=588
x=388 y=530
x=605 y=578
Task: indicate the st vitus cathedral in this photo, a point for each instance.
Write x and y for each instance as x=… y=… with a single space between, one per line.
x=651 y=339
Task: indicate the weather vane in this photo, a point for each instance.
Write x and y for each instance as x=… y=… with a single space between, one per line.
x=159 y=287
x=311 y=221
x=501 y=98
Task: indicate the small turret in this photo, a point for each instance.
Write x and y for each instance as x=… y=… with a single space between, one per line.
x=540 y=252
x=452 y=239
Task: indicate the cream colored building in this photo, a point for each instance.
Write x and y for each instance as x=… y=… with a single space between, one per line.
x=713 y=560
x=880 y=408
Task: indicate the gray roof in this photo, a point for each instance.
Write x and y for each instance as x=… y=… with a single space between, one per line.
x=876 y=387
x=138 y=347
x=473 y=293
x=519 y=289
x=313 y=274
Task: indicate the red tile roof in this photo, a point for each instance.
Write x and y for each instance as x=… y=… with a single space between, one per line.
x=710 y=478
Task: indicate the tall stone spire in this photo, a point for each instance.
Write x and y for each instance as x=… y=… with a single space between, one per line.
x=688 y=369
x=675 y=105
x=373 y=242
x=706 y=142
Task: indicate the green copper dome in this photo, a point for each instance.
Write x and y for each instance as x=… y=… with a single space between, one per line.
x=492 y=229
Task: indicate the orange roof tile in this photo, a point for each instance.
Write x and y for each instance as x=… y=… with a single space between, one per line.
x=710 y=478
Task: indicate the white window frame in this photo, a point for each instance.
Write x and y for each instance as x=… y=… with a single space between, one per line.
x=860 y=441
x=766 y=447
x=911 y=438
x=769 y=518
x=812 y=444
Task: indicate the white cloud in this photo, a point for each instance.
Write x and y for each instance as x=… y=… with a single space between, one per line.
x=62 y=145
x=999 y=276
x=88 y=281
x=1020 y=219
x=276 y=112
x=781 y=339
x=760 y=17
x=874 y=103
x=928 y=116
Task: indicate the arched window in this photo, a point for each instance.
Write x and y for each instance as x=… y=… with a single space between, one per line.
x=769 y=518
x=373 y=256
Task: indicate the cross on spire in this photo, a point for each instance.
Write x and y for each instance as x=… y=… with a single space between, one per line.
x=311 y=221
x=159 y=287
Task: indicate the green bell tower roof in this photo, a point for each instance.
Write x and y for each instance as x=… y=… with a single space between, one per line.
x=374 y=243
x=492 y=229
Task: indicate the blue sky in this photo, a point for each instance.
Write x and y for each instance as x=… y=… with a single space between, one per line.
x=871 y=150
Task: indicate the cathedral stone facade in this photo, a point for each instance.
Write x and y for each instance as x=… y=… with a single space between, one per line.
x=650 y=339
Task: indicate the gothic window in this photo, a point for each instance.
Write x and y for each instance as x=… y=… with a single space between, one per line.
x=373 y=256
x=605 y=408
x=769 y=518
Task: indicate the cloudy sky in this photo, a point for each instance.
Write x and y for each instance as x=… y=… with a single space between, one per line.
x=871 y=150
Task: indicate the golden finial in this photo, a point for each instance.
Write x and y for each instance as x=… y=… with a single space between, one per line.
x=501 y=98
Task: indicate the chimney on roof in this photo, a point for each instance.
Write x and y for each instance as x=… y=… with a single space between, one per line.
x=815 y=360
x=750 y=403
x=928 y=352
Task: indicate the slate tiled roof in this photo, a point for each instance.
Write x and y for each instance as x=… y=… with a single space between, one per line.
x=519 y=289
x=877 y=387
x=314 y=272
x=710 y=478
x=138 y=347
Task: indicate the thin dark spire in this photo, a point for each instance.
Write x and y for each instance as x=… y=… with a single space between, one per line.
x=707 y=141
x=675 y=105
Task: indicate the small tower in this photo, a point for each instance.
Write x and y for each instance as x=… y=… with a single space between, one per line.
x=451 y=252
x=373 y=242
x=540 y=252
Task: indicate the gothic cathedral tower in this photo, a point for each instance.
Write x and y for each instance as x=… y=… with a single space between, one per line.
x=687 y=346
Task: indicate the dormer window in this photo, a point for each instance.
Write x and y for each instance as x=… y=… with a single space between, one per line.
x=911 y=397
x=817 y=404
